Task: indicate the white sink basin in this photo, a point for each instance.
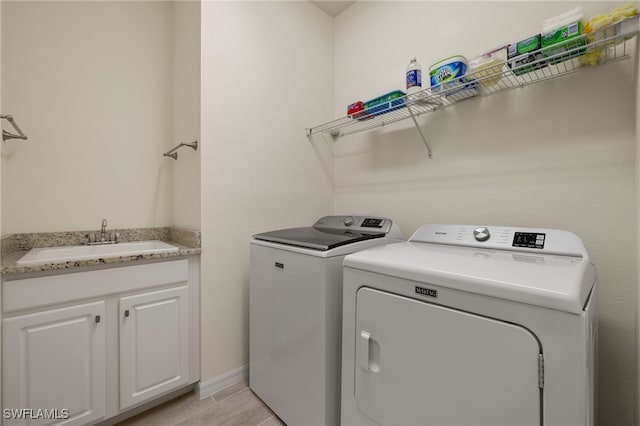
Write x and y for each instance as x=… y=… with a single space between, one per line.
x=71 y=253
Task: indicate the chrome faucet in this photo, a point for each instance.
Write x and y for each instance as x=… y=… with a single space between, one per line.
x=103 y=230
x=103 y=238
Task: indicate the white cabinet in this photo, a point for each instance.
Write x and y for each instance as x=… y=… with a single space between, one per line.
x=56 y=359
x=96 y=343
x=153 y=327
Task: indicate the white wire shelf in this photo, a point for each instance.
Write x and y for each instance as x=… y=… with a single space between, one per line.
x=608 y=44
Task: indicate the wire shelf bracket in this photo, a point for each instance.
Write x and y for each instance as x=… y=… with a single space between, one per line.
x=426 y=144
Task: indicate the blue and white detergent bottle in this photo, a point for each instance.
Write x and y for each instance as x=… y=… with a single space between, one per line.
x=414 y=76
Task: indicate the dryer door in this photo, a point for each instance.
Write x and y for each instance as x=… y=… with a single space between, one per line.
x=423 y=364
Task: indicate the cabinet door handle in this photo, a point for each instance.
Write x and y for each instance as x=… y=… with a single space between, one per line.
x=97 y=319
x=126 y=313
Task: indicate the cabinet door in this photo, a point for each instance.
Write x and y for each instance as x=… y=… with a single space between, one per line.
x=154 y=344
x=55 y=361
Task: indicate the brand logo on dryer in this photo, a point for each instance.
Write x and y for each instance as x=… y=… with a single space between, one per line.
x=426 y=291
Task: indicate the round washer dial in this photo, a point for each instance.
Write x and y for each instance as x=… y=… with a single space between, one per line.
x=481 y=234
x=348 y=221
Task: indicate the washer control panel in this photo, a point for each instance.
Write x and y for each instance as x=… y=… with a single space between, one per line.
x=546 y=241
x=355 y=223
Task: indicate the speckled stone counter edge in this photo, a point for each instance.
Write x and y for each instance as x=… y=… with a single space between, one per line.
x=14 y=246
x=186 y=237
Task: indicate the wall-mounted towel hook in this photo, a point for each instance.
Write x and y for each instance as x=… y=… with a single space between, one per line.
x=171 y=153
x=7 y=135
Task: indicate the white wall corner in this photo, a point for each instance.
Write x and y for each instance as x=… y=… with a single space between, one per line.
x=209 y=387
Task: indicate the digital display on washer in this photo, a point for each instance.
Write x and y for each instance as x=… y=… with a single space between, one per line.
x=372 y=223
x=529 y=240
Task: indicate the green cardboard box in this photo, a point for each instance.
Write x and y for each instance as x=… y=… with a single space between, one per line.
x=526 y=55
x=566 y=39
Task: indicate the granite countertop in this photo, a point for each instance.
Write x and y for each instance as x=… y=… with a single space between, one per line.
x=17 y=245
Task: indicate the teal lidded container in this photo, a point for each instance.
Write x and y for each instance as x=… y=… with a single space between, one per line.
x=386 y=103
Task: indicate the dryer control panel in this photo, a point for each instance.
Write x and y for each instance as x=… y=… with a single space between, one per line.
x=537 y=240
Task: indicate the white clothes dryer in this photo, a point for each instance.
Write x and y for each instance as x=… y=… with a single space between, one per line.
x=295 y=299
x=470 y=326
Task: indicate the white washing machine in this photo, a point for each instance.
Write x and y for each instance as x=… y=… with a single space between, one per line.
x=470 y=326
x=295 y=313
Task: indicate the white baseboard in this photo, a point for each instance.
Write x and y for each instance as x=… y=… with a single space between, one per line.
x=208 y=388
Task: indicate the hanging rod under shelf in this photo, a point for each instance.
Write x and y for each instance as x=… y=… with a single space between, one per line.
x=171 y=153
x=8 y=135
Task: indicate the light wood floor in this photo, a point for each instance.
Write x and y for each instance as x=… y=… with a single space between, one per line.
x=235 y=405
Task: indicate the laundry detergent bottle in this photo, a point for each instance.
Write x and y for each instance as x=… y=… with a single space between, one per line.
x=414 y=76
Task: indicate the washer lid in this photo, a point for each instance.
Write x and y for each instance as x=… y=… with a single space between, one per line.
x=330 y=232
x=317 y=239
x=554 y=281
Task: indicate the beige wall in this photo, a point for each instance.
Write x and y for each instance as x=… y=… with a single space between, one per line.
x=90 y=84
x=185 y=203
x=560 y=154
x=266 y=75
